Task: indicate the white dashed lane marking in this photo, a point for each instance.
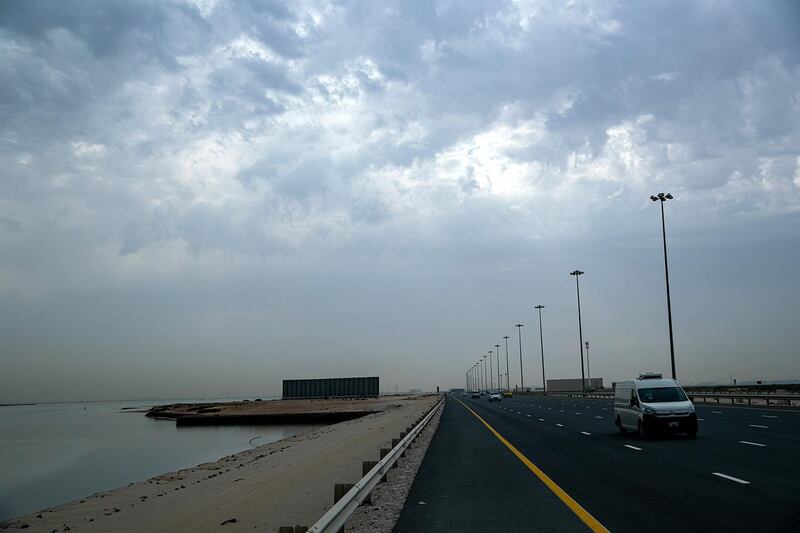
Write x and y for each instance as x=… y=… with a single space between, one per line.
x=757 y=426
x=585 y=433
x=768 y=416
x=736 y=479
x=633 y=447
x=560 y=425
x=751 y=443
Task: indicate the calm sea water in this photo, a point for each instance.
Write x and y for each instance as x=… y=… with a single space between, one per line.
x=54 y=453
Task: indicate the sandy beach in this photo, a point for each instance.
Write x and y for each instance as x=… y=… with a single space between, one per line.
x=286 y=482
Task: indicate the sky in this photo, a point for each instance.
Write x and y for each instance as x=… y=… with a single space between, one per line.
x=202 y=198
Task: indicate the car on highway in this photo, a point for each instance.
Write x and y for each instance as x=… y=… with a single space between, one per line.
x=507 y=394
x=651 y=404
x=476 y=394
x=495 y=396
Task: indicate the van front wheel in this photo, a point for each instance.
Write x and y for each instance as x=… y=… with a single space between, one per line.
x=641 y=430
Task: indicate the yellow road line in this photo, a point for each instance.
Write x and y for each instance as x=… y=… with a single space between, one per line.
x=576 y=508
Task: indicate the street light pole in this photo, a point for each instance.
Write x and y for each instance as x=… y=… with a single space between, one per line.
x=663 y=198
x=521 y=380
x=578 y=273
x=491 y=372
x=485 y=380
x=508 y=382
x=497 y=354
x=588 y=364
x=541 y=343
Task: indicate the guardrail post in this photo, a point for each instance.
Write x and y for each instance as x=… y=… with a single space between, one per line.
x=395 y=442
x=366 y=466
x=384 y=453
x=339 y=490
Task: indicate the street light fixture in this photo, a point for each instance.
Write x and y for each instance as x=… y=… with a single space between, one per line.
x=663 y=198
x=541 y=343
x=577 y=274
x=508 y=384
x=521 y=380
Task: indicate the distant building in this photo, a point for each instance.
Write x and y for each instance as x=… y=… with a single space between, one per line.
x=573 y=384
x=361 y=387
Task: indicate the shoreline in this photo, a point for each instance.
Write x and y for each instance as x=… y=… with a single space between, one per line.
x=288 y=481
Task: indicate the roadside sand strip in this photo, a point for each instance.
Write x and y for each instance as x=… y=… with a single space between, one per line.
x=286 y=482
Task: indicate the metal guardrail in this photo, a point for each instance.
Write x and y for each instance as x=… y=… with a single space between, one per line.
x=740 y=398
x=784 y=400
x=336 y=517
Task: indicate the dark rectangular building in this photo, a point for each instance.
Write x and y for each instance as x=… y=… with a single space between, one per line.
x=331 y=388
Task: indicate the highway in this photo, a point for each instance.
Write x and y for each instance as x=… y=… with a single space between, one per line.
x=742 y=473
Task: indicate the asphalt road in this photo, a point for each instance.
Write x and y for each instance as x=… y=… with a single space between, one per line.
x=742 y=473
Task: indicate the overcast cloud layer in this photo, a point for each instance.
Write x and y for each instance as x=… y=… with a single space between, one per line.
x=202 y=198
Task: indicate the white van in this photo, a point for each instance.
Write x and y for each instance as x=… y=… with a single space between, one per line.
x=650 y=404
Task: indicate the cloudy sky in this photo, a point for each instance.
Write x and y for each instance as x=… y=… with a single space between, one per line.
x=202 y=198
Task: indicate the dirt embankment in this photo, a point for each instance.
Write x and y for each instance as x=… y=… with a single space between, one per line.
x=322 y=411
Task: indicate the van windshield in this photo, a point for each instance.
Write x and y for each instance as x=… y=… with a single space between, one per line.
x=662 y=394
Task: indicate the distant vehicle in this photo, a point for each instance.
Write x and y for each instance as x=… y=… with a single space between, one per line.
x=507 y=394
x=476 y=394
x=495 y=396
x=651 y=404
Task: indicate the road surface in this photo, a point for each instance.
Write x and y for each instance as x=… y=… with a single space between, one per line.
x=559 y=464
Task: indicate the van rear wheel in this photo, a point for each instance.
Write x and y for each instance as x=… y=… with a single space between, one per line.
x=640 y=430
x=621 y=429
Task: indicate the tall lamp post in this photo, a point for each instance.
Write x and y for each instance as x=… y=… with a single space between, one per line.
x=485 y=378
x=497 y=353
x=521 y=380
x=541 y=343
x=588 y=363
x=508 y=382
x=577 y=274
x=491 y=372
x=663 y=198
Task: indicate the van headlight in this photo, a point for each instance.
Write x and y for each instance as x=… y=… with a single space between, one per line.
x=649 y=411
